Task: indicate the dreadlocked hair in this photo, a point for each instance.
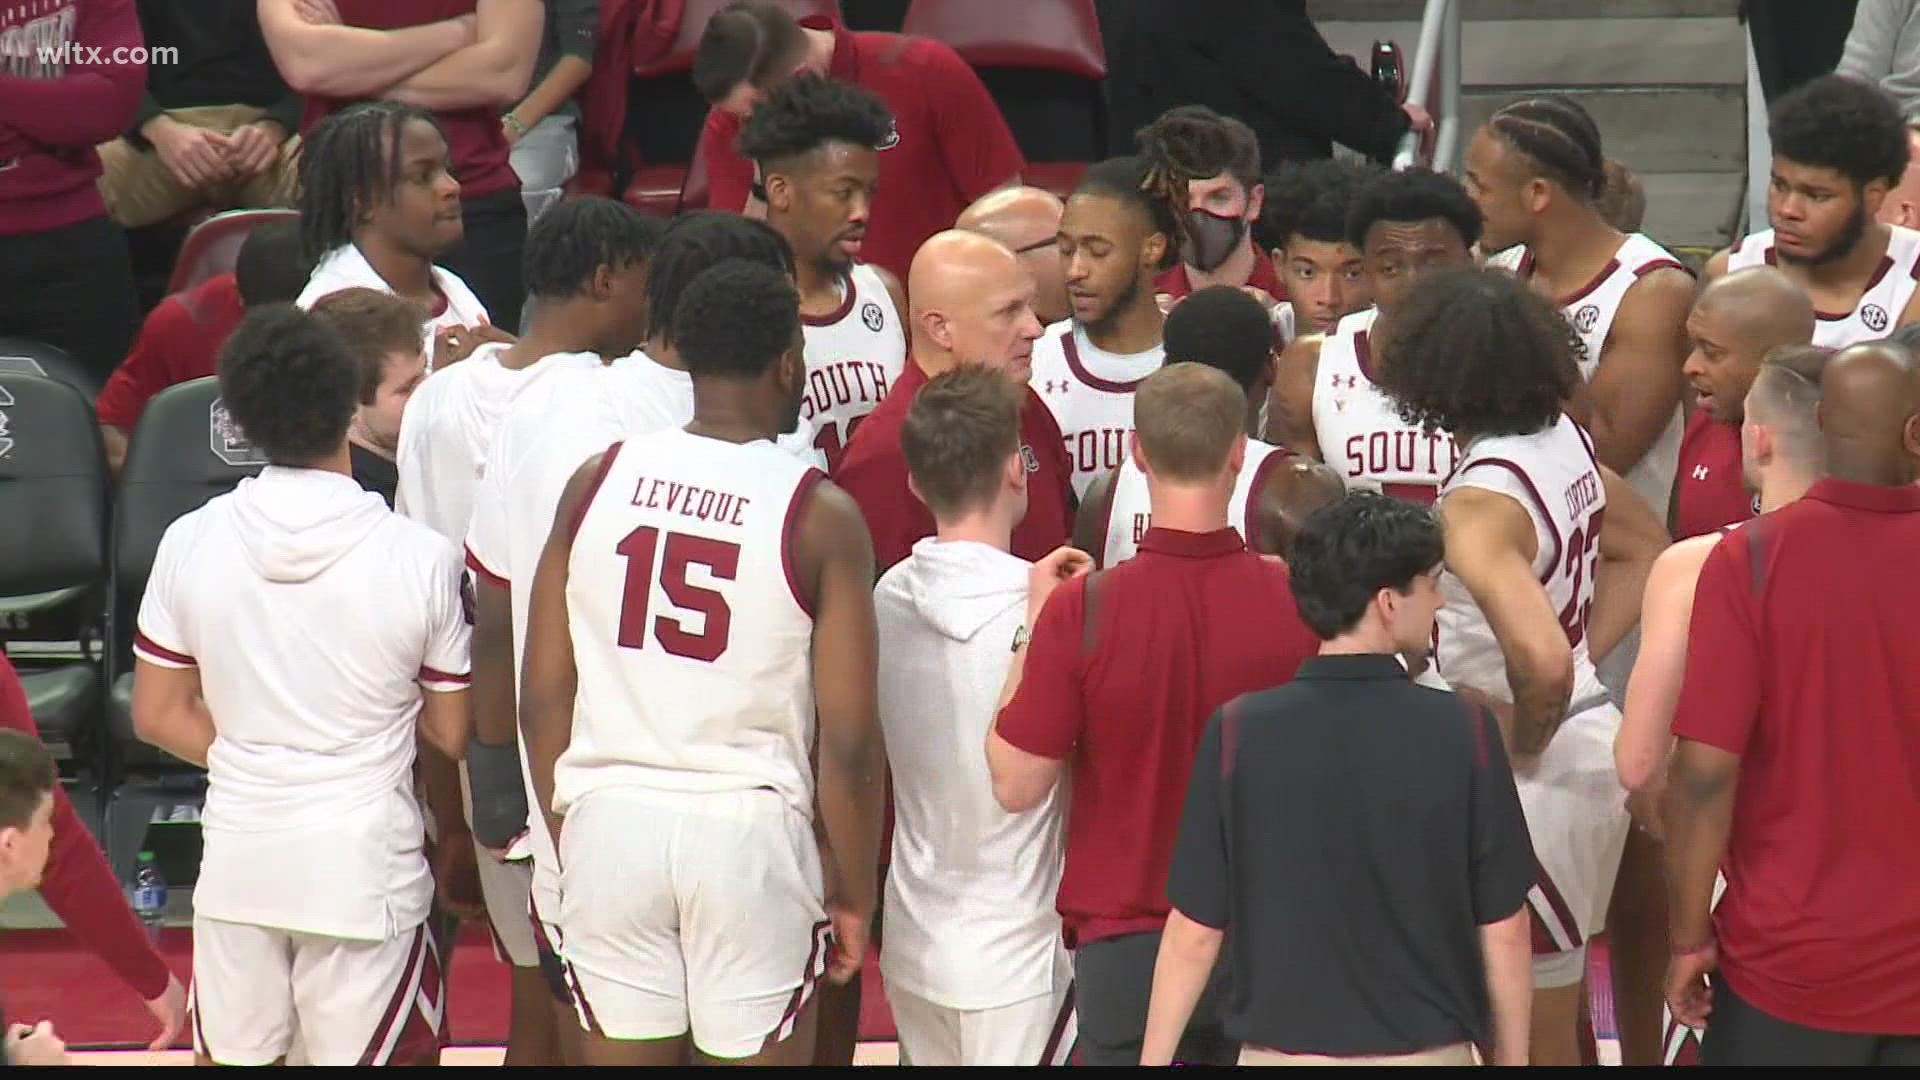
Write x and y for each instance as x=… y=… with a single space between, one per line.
x=1192 y=142
x=1560 y=138
x=1476 y=351
x=349 y=161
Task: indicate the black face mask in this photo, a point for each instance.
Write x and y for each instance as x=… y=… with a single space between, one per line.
x=1212 y=239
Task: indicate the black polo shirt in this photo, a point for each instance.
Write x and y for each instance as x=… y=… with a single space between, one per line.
x=1354 y=831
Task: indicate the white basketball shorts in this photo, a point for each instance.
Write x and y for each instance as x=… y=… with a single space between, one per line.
x=261 y=993
x=698 y=913
x=1577 y=815
x=1038 y=1031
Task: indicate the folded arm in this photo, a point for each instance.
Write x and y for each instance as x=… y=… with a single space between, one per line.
x=494 y=70
x=333 y=61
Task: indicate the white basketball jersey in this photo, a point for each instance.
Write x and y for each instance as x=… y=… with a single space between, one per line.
x=853 y=357
x=1592 y=310
x=1878 y=311
x=1127 y=513
x=1554 y=475
x=1362 y=436
x=691 y=638
x=1090 y=392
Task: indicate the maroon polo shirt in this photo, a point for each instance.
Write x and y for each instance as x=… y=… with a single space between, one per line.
x=1803 y=661
x=1187 y=625
x=1708 y=490
x=874 y=471
x=953 y=145
x=1175 y=283
x=475 y=142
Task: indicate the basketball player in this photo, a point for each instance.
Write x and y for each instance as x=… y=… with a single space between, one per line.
x=1027 y=220
x=975 y=967
x=1224 y=328
x=1525 y=547
x=1781 y=456
x=1838 y=146
x=1303 y=226
x=702 y=594
x=1206 y=170
x=585 y=267
x=377 y=207
x=1537 y=171
x=311 y=905
x=816 y=143
x=569 y=410
x=1736 y=321
x=1325 y=403
x=1113 y=240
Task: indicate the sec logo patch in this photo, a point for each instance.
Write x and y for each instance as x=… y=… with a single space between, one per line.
x=1874 y=316
x=870 y=315
x=1585 y=319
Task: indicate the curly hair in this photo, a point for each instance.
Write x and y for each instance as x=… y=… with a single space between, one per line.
x=1842 y=124
x=695 y=242
x=1476 y=351
x=1559 y=138
x=1192 y=142
x=1128 y=179
x=579 y=235
x=808 y=112
x=1311 y=200
x=735 y=320
x=1413 y=195
x=1351 y=549
x=290 y=382
x=350 y=160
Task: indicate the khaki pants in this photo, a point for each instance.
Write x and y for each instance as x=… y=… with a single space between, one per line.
x=140 y=190
x=1457 y=1054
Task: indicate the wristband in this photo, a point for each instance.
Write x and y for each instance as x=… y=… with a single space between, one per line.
x=499 y=793
x=513 y=122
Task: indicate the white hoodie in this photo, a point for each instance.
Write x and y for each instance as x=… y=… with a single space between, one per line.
x=971 y=922
x=315 y=617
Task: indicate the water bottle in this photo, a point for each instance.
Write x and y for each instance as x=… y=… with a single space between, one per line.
x=1387 y=71
x=149 y=893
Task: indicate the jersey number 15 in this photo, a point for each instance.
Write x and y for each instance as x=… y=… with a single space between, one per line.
x=642 y=549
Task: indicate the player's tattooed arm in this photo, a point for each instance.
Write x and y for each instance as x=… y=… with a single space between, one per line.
x=1294 y=489
x=1490 y=548
x=549 y=679
x=169 y=713
x=1631 y=538
x=1290 y=401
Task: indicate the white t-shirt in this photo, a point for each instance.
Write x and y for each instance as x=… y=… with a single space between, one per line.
x=346 y=268
x=971 y=922
x=316 y=618
x=553 y=425
x=447 y=428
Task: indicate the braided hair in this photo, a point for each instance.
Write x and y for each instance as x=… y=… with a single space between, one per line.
x=350 y=161
x=1560 y=139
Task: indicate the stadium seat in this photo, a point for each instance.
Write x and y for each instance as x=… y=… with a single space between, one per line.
x=214 y=245
x=666 y=113
x=21 y=355
x=1043 y=63
x=53 y=570
x=184 y=451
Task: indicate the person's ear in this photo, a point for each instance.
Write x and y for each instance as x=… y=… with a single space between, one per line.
x=1256 y=201
x=1015 y=471
x=602 y=285
x=914 y=486
x=1153 y=253
x=938 y=329
x=1237 y=457
x=1134 y=451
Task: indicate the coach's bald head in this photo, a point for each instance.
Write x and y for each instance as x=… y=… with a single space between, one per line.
x=971 y=304
x=1735 y=321
x=1027 y=221
x=1870 y=414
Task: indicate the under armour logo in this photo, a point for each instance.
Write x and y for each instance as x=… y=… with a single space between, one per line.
x=1053 y=387
x=1699 y=472
x=1347 y=381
